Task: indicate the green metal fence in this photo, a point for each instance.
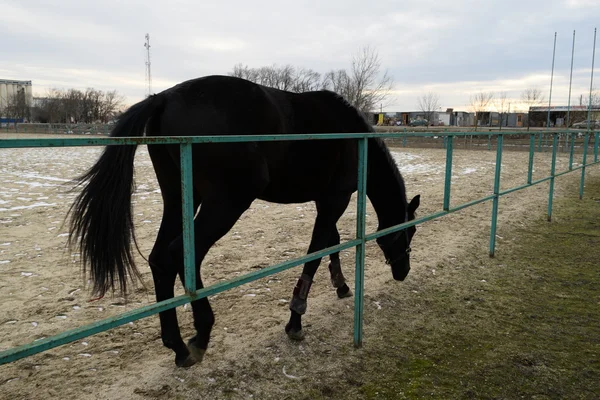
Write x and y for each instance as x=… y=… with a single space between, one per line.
x=359 y=242
x=59 y=129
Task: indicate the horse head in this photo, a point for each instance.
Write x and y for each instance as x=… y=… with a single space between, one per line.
x=396 y=246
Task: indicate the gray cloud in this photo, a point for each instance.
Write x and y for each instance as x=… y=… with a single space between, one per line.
x=454 y=48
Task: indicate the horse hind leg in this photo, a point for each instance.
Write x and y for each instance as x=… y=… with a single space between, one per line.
x=164 y=274
x=215 y=218
x=204 y=319
x=163 y=266
x=170 y=333
x=338 y=281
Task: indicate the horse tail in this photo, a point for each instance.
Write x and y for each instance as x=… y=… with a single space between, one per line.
x=101 y=224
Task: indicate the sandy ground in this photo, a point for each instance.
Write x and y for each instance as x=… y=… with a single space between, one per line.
x=42 y=291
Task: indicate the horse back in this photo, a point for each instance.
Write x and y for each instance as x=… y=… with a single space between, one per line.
x=297 y=171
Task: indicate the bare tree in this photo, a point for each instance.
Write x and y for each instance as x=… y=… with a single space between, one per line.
x=283 y=78
x=429 y=103
x=16 y=107
x=113 y=101
x=305 y=80
x=531 y=97
x=479 y=102
x=596 y=97
x=501 y=104
x=244 y=72
x=73 y=105
x=338 y=81
x=584 y=99
x=49 y=107
x=370 y=88
x=363 y=86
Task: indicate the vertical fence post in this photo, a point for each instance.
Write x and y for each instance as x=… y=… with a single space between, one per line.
x=531 y=153
x=586 y=143
x=589 y=115
x=448 y=181
x=187 y=197
x=596 y=146
x=361 y=207
x=552 y=173
x=496 y=194
x=572 y=151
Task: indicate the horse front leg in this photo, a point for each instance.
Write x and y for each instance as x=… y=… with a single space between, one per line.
x=328 y=213
x=338 y=281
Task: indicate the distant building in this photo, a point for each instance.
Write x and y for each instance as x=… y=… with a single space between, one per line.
x=460 y=118
x=452 y=118
x=506 y=120
x=558 y=115
x=10 y=88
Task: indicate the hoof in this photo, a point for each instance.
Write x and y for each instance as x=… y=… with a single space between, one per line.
x=296 y=335
x=187 y=362
x=343 y=292
x=293 y=334
x=197 y=352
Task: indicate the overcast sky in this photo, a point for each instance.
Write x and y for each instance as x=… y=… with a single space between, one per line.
x=452 y=48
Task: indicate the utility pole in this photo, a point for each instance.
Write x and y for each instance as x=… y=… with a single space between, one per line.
x=148 y=69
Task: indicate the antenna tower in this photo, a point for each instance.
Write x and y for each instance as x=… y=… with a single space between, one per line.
x=148 y=70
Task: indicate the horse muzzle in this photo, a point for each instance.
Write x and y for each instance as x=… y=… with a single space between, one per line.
x=400 y=269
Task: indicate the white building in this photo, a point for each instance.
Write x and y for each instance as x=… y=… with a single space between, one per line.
x=9 y=88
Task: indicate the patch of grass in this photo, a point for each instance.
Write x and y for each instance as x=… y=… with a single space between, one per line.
x=523 y=325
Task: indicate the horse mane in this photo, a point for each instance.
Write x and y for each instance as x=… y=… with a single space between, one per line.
x=359 y=115
x=380 y=143
x=382 y=149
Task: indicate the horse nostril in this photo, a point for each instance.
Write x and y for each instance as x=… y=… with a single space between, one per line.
x=400 y=272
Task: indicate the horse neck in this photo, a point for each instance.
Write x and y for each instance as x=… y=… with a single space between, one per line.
x=385 y=186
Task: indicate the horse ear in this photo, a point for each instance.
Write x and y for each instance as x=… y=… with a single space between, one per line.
x=414 y=204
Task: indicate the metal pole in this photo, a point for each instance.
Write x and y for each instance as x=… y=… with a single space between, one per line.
x=552 y=173
x=496 y=195
x=360 y=235
x=572 y=135
x=447 y=183
x=531 y=153
x=551 y=82
x=187 y=196
x=596 y=146
x=570 y=83
x=586 y=143
x=591 y=83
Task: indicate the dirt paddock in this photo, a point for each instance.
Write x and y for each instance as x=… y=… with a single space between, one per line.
x=42 y=291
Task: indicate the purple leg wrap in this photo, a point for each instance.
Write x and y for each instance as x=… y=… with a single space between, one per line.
x=298 y=303
x=337 y=278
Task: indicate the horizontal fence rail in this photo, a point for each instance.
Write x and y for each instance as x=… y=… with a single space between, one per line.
x=359 y=243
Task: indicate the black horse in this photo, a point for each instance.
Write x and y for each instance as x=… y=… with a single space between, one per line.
x=227 y=179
